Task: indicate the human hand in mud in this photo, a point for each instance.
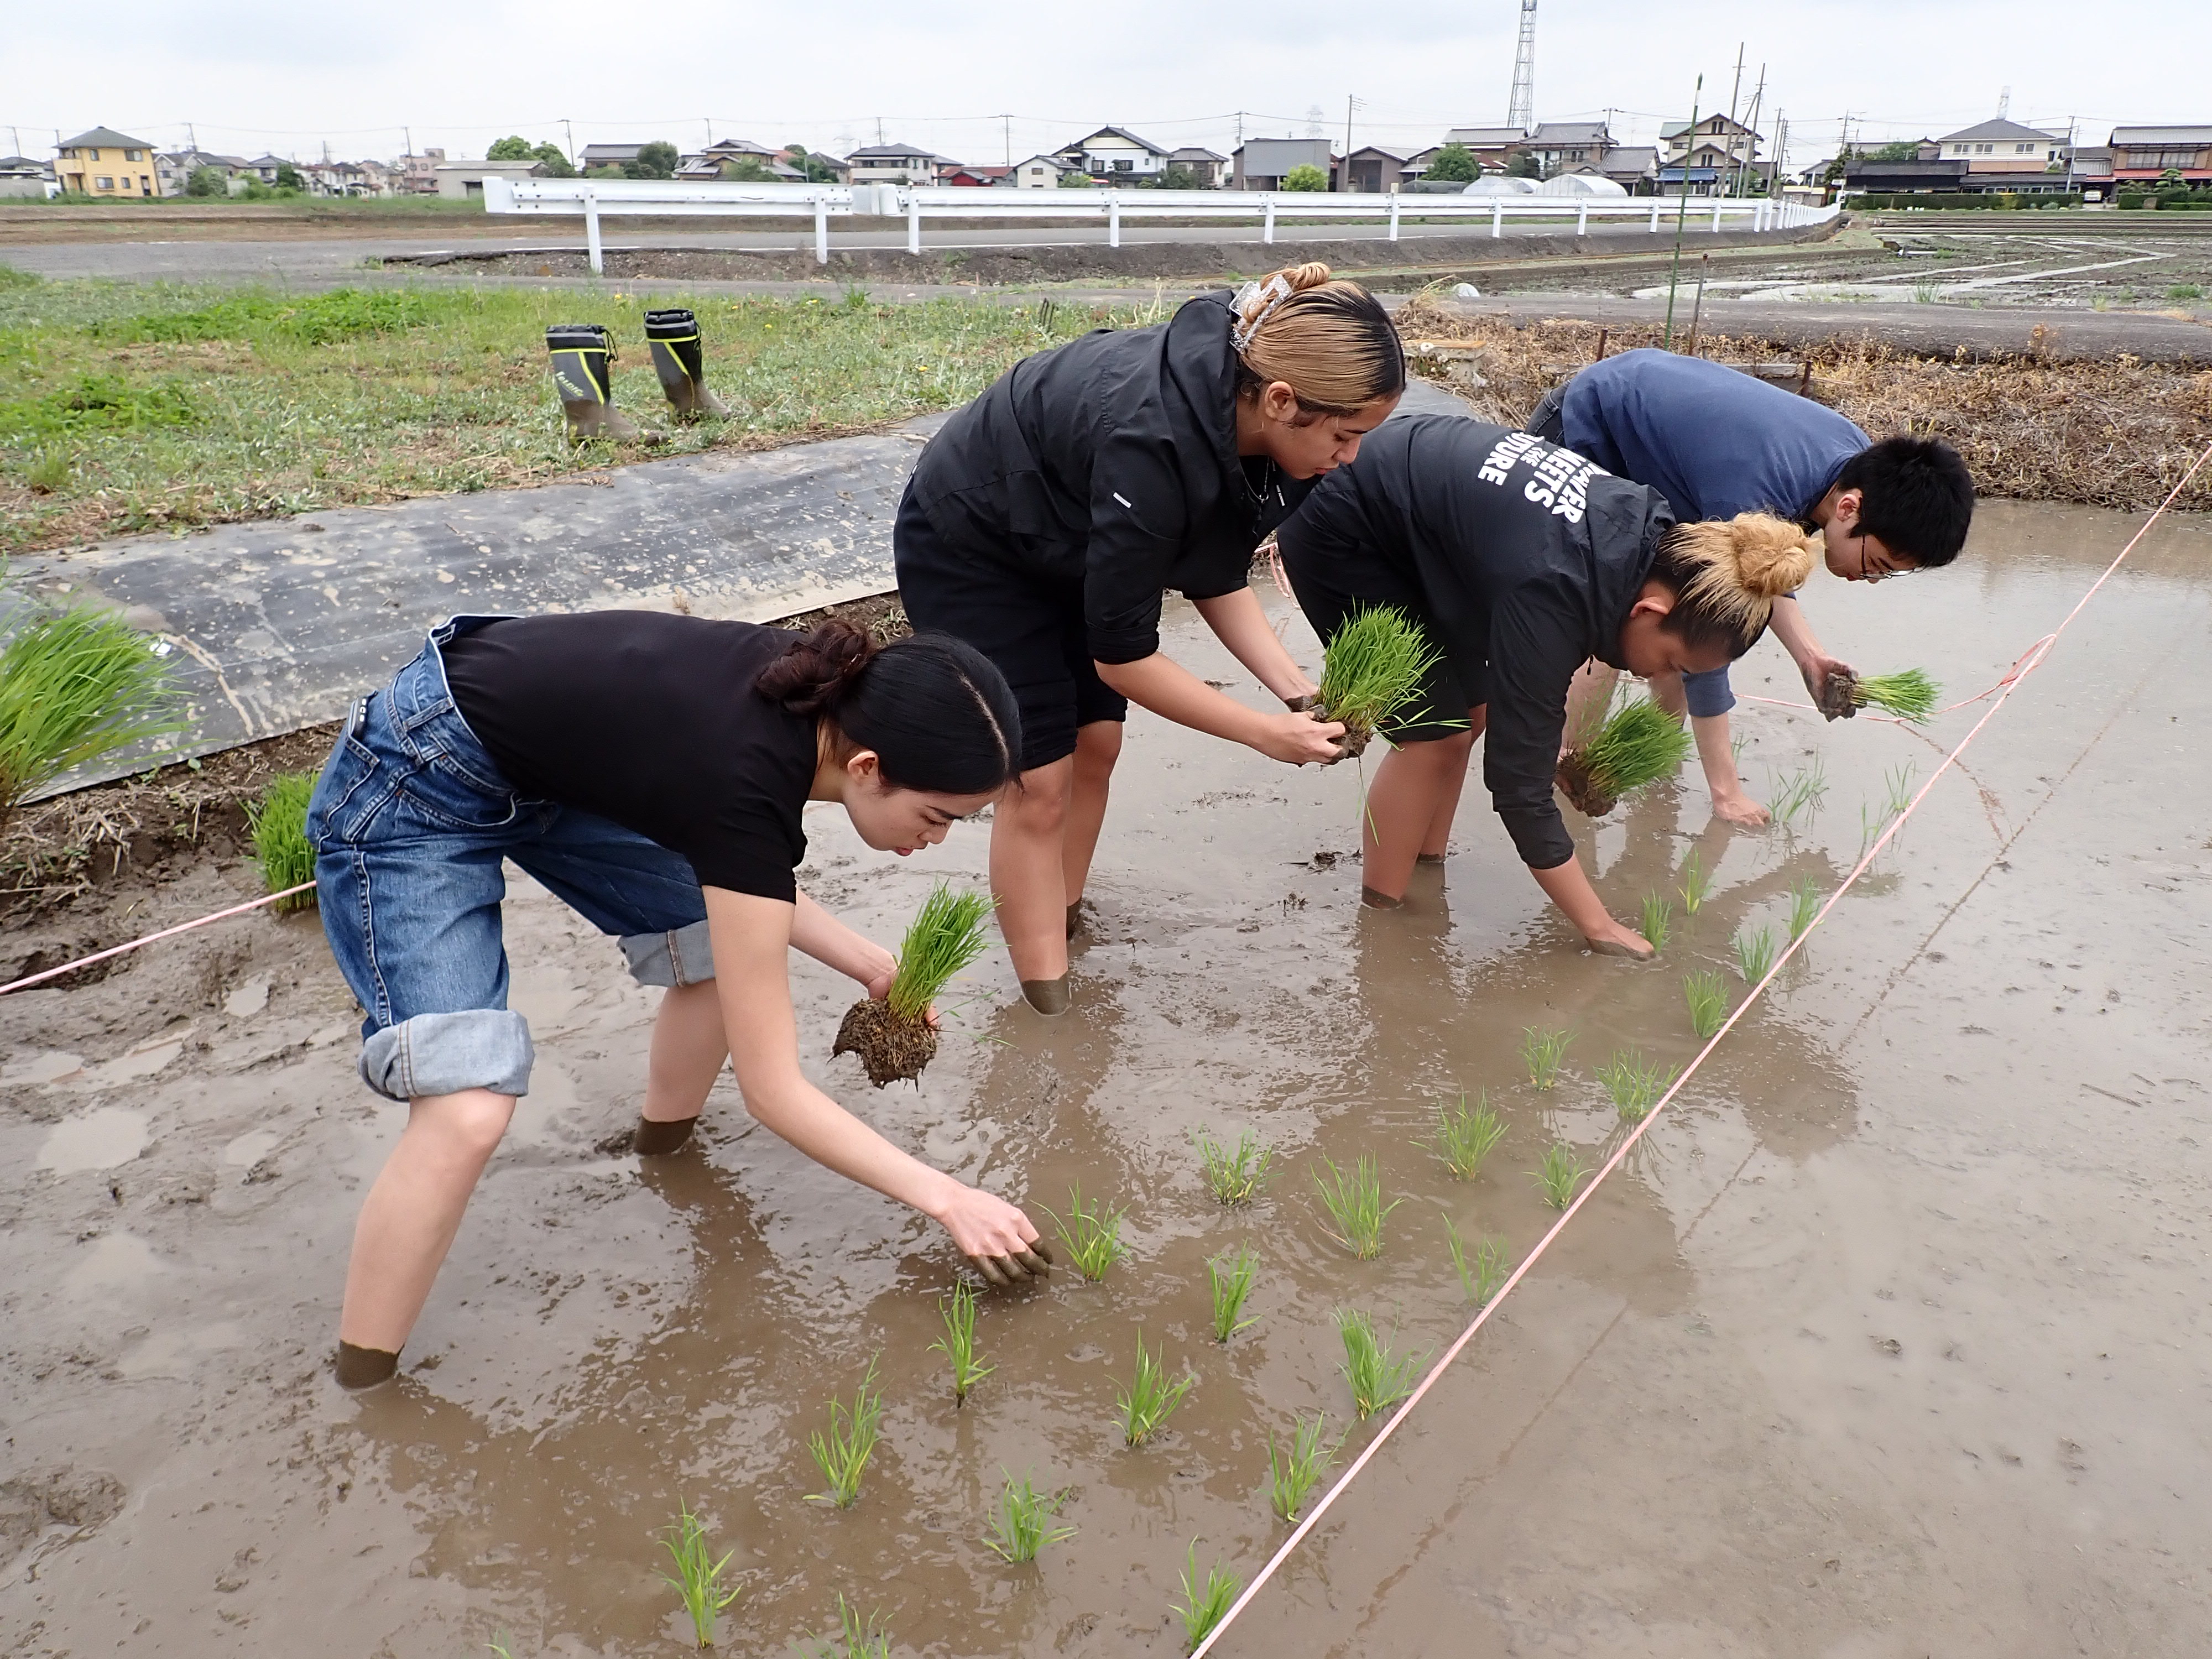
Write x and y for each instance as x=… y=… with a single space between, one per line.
x=1303 y=739
x=1619 y=939
x=1832 y=684
x=1741 y=809
x=996 y=1237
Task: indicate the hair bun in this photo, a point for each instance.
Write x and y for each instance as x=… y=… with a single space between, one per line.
x=1773 y=556
x=821 y=666
x=1312 y=274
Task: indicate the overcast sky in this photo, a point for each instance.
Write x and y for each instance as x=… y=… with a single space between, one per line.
x=250 y=75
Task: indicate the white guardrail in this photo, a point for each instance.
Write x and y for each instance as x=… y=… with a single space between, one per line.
x=595 y=198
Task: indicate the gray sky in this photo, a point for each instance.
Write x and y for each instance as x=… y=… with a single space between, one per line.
x=252 y=75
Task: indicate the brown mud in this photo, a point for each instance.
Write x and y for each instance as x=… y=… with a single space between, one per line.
x=1573 y=781
x=1889 y=1340
x=892 y=1049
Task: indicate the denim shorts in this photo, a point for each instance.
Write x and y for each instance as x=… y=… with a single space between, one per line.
x=411 y=822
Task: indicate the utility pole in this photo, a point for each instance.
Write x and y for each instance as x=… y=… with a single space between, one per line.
x=1344 y=182
x=1681 y=213
x=1751 y=138
x=569 y=133
x=1006 y=127
x=879 y=129
x=1733 y=91
x=709 y=120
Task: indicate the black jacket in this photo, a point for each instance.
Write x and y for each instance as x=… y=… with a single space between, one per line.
x=1110 y=465
x=1528 y=558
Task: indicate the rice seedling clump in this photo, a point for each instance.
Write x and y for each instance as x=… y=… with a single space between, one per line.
x=894 y=1037
x=1658 y=919
x=1545 y=1050
x=1755 y=951
x=1294 y=1468
x=1638 y=743
x=959 y=1343
x=74 y=685
x=843 y=1453
x=1559 y=1175
x=1354 y=1200
x=1236 y=1176
x=1372 y=670
x=1634 y=1084
x=1378 y=1377
x=1150 y=1397
x=856 y=1637
x=1708 y=1000
x=1205 y=1602
x=1231 y=1276
x=1909 y=695
x=278 y=823
x=698 y=1576
x=1696 y=884
x=1481 y=1279
x=1465 y=1135
x=1092 y=1234
x=1023 y=1523
x=1804 y=905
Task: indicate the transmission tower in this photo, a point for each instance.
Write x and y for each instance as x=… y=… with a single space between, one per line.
x=1522 y=111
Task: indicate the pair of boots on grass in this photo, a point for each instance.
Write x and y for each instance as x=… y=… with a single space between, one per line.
x=583 y=357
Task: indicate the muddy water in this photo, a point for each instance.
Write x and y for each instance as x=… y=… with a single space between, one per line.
x=1891 y=1339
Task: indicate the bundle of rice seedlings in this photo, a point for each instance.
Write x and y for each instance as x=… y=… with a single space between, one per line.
x=74 y=685
x=1909 y=695
x=894 y=1037
x=1372 y=670
x=1638 y=743
x=278 y=822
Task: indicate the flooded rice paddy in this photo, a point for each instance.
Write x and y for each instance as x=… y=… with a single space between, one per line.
x=1890 y=1339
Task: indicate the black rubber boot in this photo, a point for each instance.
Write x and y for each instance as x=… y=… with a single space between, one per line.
x=1048 y=996
x=358 y=1369
x=653 y=1140
x=583 y=362
x=681 y=362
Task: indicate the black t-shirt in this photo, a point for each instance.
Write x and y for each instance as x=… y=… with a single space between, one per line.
x=650 y=720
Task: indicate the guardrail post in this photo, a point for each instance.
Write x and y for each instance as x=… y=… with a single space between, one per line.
x=1582 y=221
x=1267 y=220
x=1113 y=218
x=821 y=231
x=1717 y=213
x=1393 y=215
x=913 y=220
x=592 y=231
x=1497 y=218
x=1654 y=216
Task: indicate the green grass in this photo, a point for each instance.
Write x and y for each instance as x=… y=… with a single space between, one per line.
x=842 y=1452
x=1372 y=668
x=1150 y=1397
x=1638 y=743
x=1465 y=1135
x=1544 y=1050
x=1229 y=1274
x=1708 y=1000
x=1354 y=1199
x=1023 y=1523
x=698 y=1576
x=1294 y=1470
x=1205 y=1602
x=1092 y=1234
x=1697 y=884
x=1804 y=905
x=186 y=404
x=1379 y=1379
x=75 y=686
x=1559 y=1175
x=1909 y=695
x=1755 y=951
x=1481 y=1279
x=856 y=1637
x=1236 y=1176
x=947 y=933
x=958 y=1345
x=2185 y=291
x=1634 y=1084
x=278 y=823
x=1658 y=919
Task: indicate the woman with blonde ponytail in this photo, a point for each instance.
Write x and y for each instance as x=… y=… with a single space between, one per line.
x=1521 y=561
x=1045 y=521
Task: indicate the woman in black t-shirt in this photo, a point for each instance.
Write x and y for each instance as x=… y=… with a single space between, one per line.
x=1045 y=519
x=650 y=770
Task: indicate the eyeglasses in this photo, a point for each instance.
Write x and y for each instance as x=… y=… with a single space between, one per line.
x=1870 y=574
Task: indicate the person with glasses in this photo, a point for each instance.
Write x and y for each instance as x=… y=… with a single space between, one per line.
x=1715 y=441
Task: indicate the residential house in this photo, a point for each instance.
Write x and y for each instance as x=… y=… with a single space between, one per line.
x=1209 y=169
x=1997 y=153
x=23 y=175
x=841 y=172
x=1634 y=168
x=466 y=179
x=960 y=173
x=608 y=155
x=2089 y=170
x=418 y=175
x=1037 y=172
x=1492 y=147
x=267 y=167
x=896 y=164
x=726 y=158
x=1865 y=174
x=1560 y=146
x=2142 y=154
x=173 y=170
x=1374 y=169
x=105 y=162
x=1114 y=155
x=1264 y=163
x=1729 y=138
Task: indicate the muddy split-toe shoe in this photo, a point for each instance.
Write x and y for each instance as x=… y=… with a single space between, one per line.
x=655 y=1138
x=1375 y=900
x=358 y=1369
x=1047 y=996
x=1074 y=918
x=1428 y=857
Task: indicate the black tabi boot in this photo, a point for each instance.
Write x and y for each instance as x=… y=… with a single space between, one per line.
x=681 y=362
x=583 y=359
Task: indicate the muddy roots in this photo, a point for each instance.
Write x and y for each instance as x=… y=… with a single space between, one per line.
x=1358 y=734
x=889 y=1046
x=1582 y=790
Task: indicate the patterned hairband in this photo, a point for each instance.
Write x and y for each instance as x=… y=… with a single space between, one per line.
x=1268 y=295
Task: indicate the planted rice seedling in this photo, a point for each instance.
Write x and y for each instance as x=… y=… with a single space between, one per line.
x=1371 y=670
x=856 y=1637
x=1634 y=1084
x=1545 y=1049
x=1204 y=1604
x=278 y=823
x=1799 y=794
x=1697 y=884
x=1804 y=905
x=698 y=1576
x=1909 y=695
x=1559 y=1175
x=1481 y=1281
x=959 y=1343
x=1637 y=745
x=1092 y=1234
x=1898 y=780
x=1024 y=1522
x=1150 y=1397
x=1708 y=1000
x=842 y=1454
x=1354 y=1197
x=1294 y=1470
x=1233 y=1176
x=74 y=686
x=1379 y=1378
x=1231 y=1276
x=1658 y=919
x=1755 y=951
x=894 y=1037
x=1465 y=1135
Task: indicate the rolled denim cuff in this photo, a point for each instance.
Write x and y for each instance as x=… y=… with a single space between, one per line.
x=441 y=1054
x=682 y=956
x=1708 y=693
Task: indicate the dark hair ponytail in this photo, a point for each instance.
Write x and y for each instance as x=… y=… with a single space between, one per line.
x=936 y=712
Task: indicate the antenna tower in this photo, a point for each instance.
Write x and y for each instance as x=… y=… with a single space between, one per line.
x=1520 y=111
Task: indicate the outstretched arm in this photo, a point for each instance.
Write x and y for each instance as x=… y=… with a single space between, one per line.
x=1239 y=622
x=819 y=934
x=1805 y=649
x=1173 y=692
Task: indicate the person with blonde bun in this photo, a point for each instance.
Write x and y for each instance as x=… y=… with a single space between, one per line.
x=1520 y=560
x=1045 y=519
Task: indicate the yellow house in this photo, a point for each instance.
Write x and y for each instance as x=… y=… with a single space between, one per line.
x=105 y=162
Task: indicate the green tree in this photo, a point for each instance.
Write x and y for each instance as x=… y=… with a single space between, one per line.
x=208 y=181
x=556 y=164
x=816 y=169
x=1521 y=165
x=1076 y=178
x=1454 y=164
x=288 y=177
x=1177 y=178
x=1898 y=152
x=1306 y=177
x=657 y=159
x=748 y=170
x=514 y=148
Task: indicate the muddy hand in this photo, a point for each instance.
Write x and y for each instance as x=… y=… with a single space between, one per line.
x=997 y=1237
x=1620 y=941
x=1301 y=740
x=1836 y=695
